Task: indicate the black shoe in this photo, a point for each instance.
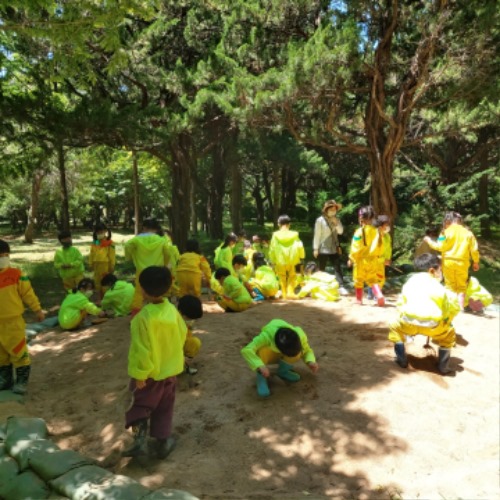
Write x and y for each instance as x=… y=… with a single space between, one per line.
x=138 y=448
x=163 y=447
x=5 y=377
x=22 y=377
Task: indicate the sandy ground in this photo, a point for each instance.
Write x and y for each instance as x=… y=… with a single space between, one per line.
x=361 y=428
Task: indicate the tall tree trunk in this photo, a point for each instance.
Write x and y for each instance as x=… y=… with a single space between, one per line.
x=382 y=193
x=216 y=194
x=61 y=165
x=236 y=196
x=276 y=194
x=259 y=203
x=484 y=206
x=267 y=189
x=137 y=201
x=181 y=151
x=36 y=184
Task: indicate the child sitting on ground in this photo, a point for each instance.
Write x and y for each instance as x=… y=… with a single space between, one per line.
x=264 y=282
x=77 y=306
x=191 y=309
x=477 y=298
x=319 y=284
x=68 y=262
x=190 y=269
x=278 y=342
x=155 y=358
x=235 y=296
x=425 y=307
x=118 y=295
x=15 y=291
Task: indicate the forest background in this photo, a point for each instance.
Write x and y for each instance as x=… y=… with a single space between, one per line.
x=212 y=116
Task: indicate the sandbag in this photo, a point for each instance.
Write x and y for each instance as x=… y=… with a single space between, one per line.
x=27 y=486
x=49 y=465
x=8 y=472
x=117 y=488
x=76 y=483
x=23 y=428
x=169 y=494
x=22 y=450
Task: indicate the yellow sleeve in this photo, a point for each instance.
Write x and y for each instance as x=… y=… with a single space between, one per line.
x=474 y=249
x=387 y=247
x=91 y=255
x=27 y=294
x=443 y=243
x=357 y=245
x=205 y=268
x=140 y=364
x=112 y=258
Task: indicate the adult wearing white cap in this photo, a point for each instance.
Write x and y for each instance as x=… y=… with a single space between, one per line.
x=326 y=246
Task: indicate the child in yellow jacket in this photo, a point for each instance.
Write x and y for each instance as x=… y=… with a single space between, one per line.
x=155 y=358
x=102 y=255
x=118 y=295
x=476 y=296
x=383 y=223
x=77 y=306
x=15 y=291
x=191 y=267
x=286 y=251
x=427 y=308
x=319 y=284
x=68 y=261
x=367 y=248
x=458 y=247
x=235 y=296
x=149 y=248
x=191 y=309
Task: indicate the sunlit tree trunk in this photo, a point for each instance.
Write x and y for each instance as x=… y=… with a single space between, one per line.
x=36 y=184
x=236 y=193
x=61 y=165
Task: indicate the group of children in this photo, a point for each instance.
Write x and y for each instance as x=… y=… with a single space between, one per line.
x=162 y=343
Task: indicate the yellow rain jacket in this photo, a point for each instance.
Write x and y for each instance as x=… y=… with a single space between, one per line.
x=102 y=252
x=266 y=281
x=424 y=301
x=286 y=248
x=119 y=298
x=158 y=333
x=367 y=247
x=191 y=262
x=265 y=339
x=148 y=249
x=70 y=313
x=476 y=291
x=69 y=256
x=224 y=258
x=320 y=285
x=457 y=243
x=15 y=291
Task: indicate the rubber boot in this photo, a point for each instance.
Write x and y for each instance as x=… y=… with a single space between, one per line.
x=22 y=377
x=285 y=372
x=461 y=301
x=163 y=447
x=140 y=430
x=283 y=288
x=378 y=295
x=262 y=387
x=401 y=359
x=290 y=292
x=5 y=377
x=359 y=295
x=444 y=359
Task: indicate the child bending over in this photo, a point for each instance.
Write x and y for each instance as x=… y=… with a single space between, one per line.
x=319 y=284
x=191 y=309
x=118 y=295
x=281 y=343
x=235 y=297
x=425 y=307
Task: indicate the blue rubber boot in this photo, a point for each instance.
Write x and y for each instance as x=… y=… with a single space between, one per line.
x=444 y=359
x=285 y=372
x=401 y=359
x=262 y=387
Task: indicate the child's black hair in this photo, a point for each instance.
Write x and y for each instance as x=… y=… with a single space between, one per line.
x=109 y=280
x=4 y=247
x=426 y=261
x=284 y=220
x=190 y=306
x=366 y=213
x=63 y=235
x=155 y=280
x=242 y=233
x=287 y=341
x=192 y=246
x=99 y=228
x=84 y=283
x=311 y=267
x=432 y=231
x=221 y=272
x=230 y=238
x=154 y=225
x=258 y=259
x=239 y=259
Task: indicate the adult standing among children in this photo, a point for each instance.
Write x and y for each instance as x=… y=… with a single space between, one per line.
x=326 y=247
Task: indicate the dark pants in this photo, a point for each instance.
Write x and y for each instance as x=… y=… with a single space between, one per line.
x=156 y=403
x=334 y=258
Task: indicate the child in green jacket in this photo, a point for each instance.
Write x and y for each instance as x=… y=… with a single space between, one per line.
x=68 y=262
x=278 y=342
x=118 y=295
x=235 y=296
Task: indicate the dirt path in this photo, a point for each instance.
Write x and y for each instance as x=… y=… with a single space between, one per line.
x=361 y=428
